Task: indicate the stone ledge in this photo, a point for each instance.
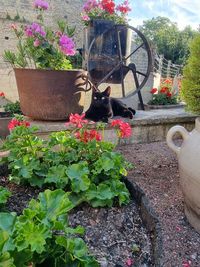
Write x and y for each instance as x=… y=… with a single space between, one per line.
x=148 y=126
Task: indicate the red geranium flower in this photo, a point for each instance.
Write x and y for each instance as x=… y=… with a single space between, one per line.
x=124 y=128
x=108 y=6
x=2 y=94
x=124 y=7
x=87 y=136
x=169 y=94
x=77 y=120
x=153 y=91
x=14 y=123
x=164 y=90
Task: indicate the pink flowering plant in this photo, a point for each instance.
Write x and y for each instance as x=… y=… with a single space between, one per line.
x=41 y=47
x=105 y=9
x=77 y=160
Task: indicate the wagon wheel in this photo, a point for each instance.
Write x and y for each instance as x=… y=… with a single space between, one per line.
x=110 y=60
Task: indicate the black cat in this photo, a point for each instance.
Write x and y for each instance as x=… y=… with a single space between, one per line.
x=104 y=107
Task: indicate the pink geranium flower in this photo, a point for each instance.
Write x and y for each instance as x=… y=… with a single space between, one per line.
x=67 y=45
x=124 y=128
x=14 y=123
x=34 y=29
x=36 y=43
x=2 y=94
x=77 y=120
x=85 y=18
x=40 y=4
x=124 y=7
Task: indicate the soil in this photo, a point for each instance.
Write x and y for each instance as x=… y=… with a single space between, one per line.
x=156 y=172
x=116 y=235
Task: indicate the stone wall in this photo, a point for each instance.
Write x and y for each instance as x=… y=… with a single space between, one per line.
x=21 y=11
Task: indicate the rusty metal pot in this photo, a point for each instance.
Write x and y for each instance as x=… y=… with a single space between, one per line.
x=51 y=94
x=5 y=118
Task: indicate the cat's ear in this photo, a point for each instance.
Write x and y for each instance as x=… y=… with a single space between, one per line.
x=107 y=91
x=94 y=89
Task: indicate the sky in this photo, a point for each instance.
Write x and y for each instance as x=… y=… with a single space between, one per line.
x=183 y=12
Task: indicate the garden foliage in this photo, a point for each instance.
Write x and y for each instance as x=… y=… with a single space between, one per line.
x=82 y=166
x=40 y=46
x=41 y=235
x=106 y=10
x=77 y=161
x=164 y=95
x=191 y=78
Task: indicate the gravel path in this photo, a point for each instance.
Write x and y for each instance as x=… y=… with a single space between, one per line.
x=156 y=172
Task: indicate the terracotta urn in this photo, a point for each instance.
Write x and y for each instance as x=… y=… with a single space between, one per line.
x=189 y=167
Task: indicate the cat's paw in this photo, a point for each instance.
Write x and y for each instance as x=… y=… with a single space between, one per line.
x=105 y=119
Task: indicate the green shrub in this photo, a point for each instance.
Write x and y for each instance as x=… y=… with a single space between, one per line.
x=13 y=108
x=191 y=78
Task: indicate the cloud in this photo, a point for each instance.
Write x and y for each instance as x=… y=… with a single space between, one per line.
x=183 y=12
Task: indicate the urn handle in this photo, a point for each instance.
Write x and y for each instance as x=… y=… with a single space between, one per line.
x=176 y=129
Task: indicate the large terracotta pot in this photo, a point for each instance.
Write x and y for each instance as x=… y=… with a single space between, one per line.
x=50 y=94
x=189 y=166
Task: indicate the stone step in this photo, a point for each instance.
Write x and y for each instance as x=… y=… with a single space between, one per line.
x=147 y=126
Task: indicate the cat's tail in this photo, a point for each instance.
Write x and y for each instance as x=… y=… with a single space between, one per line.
x=132 y=110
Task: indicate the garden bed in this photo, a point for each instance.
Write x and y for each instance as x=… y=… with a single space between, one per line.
x=156 y=172
x=114 y=235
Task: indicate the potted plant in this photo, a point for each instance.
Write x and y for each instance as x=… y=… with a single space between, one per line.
x=48 y=86
x=165 y=96
x=189 y=152
x=8 y=110
x=99 y=17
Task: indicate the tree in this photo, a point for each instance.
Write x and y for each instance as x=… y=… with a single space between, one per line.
x=168 y=39
x=191 y=77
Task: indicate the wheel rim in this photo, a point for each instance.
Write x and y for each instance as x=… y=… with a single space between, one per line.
x=119 y=63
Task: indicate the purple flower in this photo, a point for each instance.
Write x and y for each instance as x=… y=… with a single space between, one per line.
x=41 y=4
x=67 y=45
x=89 y=5
x=34 y=29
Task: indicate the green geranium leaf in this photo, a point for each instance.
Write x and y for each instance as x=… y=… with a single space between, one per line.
x=78 y=174
x=78 y=230
x=3 y=238
x=7 y=221
x=77 y=247
x=57 y=175
x=6 y=260
x=52 y=203
x=120 y=190
x=32 y=236
x=100 y=196
x=4 y=195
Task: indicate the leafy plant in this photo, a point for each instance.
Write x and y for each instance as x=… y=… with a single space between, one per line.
x=191 y=81
x=77 y=161
x=4 y=195
x=41 y=235
x=40 y=46
x=104 y=9
x=164 y=95
x=13 y=108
